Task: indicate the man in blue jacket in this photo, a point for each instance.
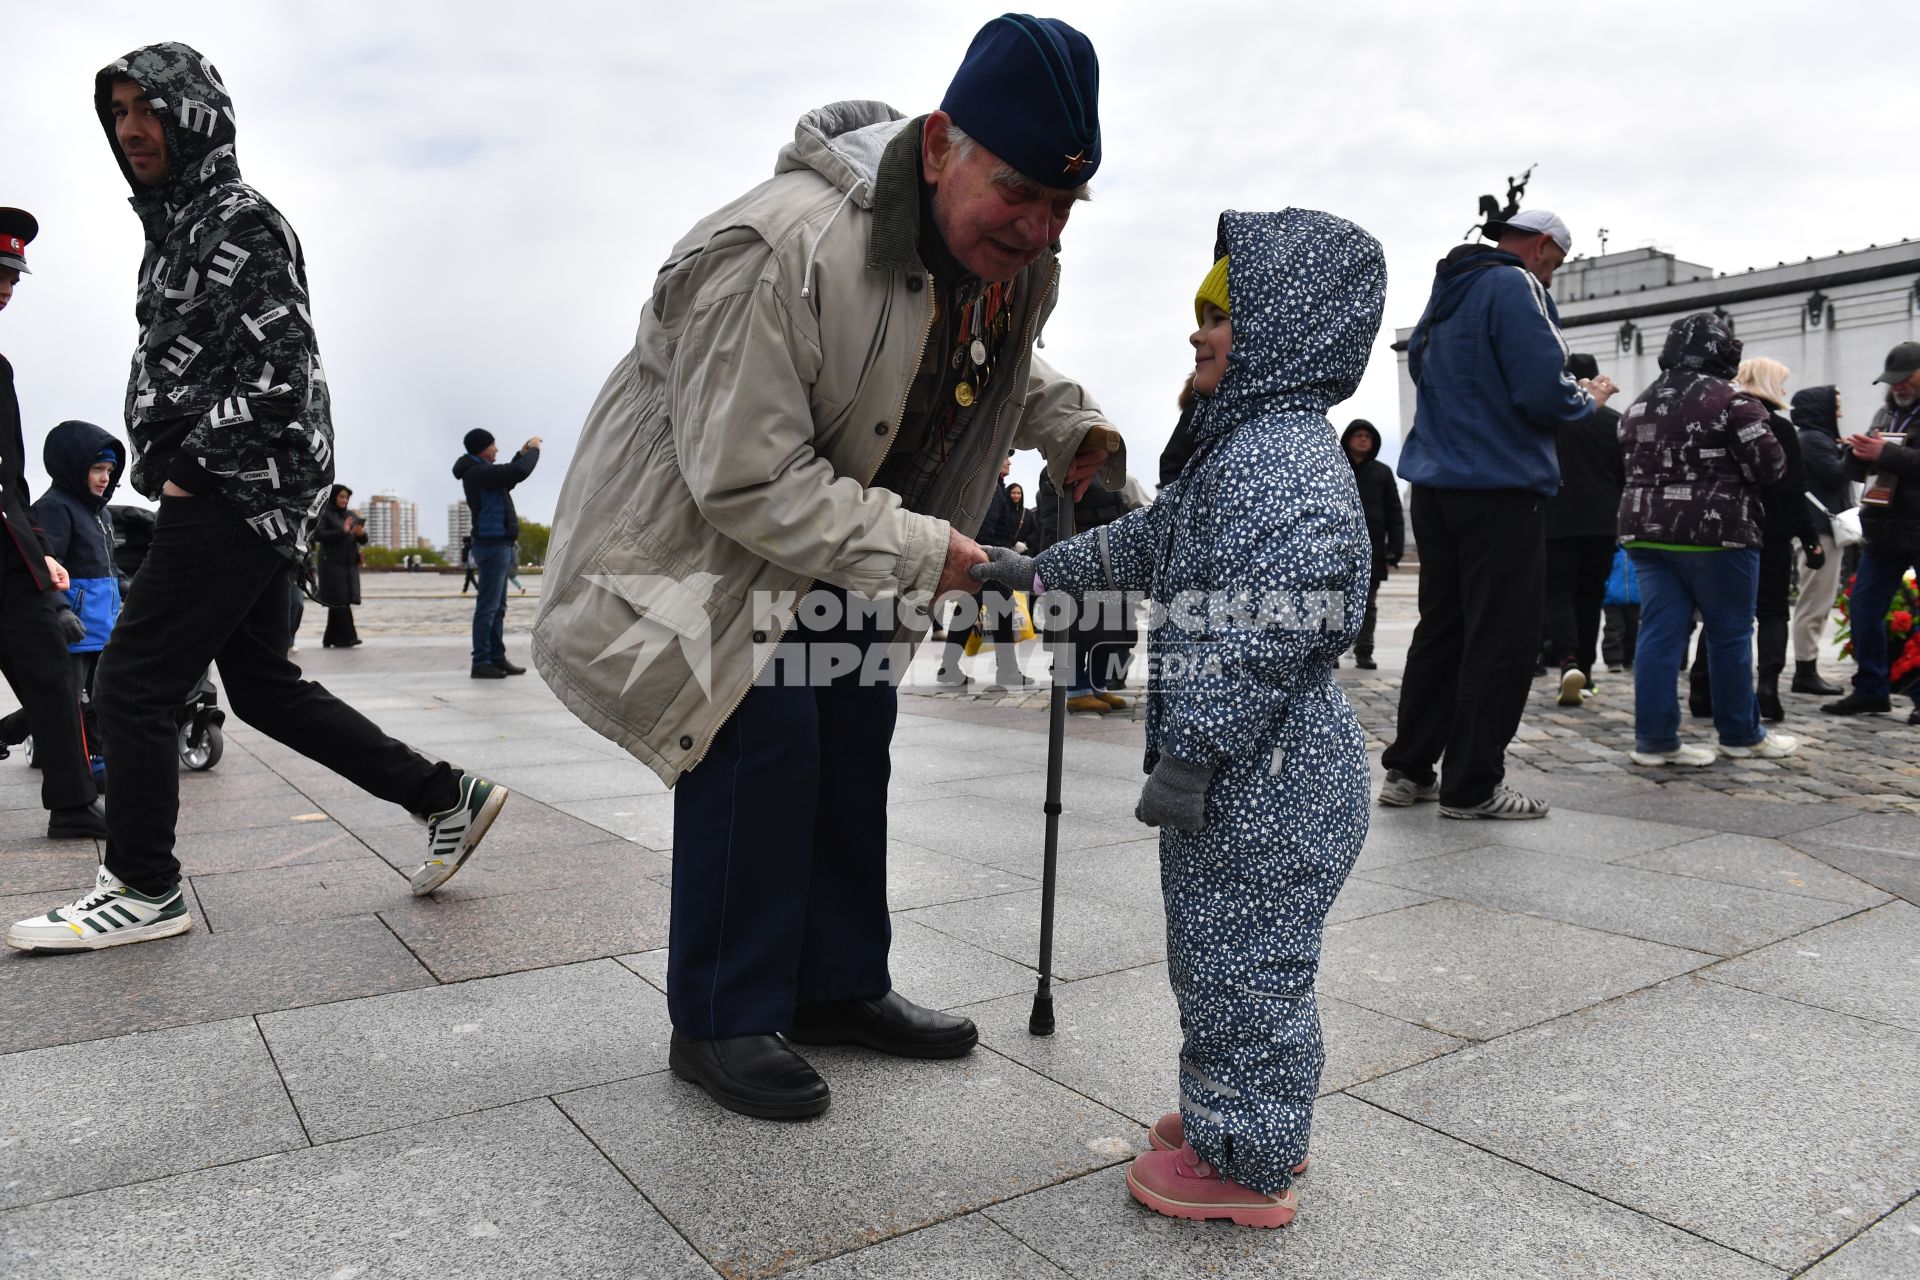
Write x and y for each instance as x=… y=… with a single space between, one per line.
x=1490 y=372
x=496 y=533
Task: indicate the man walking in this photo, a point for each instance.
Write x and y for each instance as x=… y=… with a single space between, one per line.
x=227 y=412
x=1891 y=522
x=35 y=625
x=1490 y=372
x=496 y=539
x=804 y=436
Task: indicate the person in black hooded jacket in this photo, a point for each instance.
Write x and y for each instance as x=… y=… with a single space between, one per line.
x=1386 y=523
x=341 y=534
x=1816 y=423
x=1582 y=529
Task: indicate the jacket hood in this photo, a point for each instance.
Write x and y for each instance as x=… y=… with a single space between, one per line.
x=196 y=117
x=1701 y=343
x=1361 y=424
x=1817 y=408
x=70 y=452
x=1454 y=274
x=1307 y=290
x=843 y=142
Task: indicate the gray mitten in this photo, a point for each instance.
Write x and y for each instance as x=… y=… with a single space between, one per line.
x=1005 y=565
x=72 y=630
x=1175 y=795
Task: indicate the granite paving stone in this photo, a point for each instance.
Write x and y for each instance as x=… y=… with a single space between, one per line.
x=919 y=877
x=1824 y=967
x=966 y=827
x=1001 y=1130
x=364 y=1065
x=587 y=780
x=290 y=895
x=46 y=866
x=1771 y=1127
x=510 y=1192
x=1470 y=972
x=969 y=1248
x=1363 y=896
x=1597 y=837
x=1889 y=1248
x=1759 y=864
x=1118 y=1037
x=942 y=972
x=643 y=819
x=513 y=862
x=1385 y=1200
x=525 y=830
x=283 y=843
x=81 y=1117
x=1407 y=835
x=1681 y=911
x=197 y=977
x=471 y=938
x=1089 y=937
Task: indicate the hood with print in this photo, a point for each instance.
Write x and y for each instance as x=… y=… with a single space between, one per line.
x=226 y=392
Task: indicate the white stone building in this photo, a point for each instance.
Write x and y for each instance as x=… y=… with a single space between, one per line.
x=1829 y=320
x=459 y=528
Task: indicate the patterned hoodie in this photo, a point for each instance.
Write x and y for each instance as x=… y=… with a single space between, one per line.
x=226 y=393
x=1697 y=447
x=1264 y=510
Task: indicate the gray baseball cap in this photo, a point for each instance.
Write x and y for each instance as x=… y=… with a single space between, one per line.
x=1533 y=222
x=1902 y=363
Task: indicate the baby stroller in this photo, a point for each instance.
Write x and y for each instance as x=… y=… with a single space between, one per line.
x=200 y=718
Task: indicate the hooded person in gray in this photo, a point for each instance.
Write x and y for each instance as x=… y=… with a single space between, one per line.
x=1258 y=767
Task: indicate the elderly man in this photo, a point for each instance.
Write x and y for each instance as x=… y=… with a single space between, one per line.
x=1490 y=372
x=1890 y=517
x=803 y=438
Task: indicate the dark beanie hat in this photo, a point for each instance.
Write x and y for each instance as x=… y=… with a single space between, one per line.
x=477 y=439
x=1029 y=91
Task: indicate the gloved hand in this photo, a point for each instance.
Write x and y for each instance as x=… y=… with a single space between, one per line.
x=1005 y=565
x=1815 y=554
x=1175 y=795
x=72 y=630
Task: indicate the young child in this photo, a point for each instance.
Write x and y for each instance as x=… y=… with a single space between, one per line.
x=85 y=465
x=1257 y=765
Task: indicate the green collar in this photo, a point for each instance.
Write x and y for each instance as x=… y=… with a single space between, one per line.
x=893 y=245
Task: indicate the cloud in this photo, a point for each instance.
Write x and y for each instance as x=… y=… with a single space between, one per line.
x=485 y=190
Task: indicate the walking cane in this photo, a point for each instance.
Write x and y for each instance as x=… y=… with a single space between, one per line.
x=1040 y=1022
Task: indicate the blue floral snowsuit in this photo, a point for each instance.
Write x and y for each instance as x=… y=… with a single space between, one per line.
x=1265 y=509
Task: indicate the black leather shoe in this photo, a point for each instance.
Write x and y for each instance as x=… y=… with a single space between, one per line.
x=510 y=669
x=1365 y=662
x=88 y=822
x=1807 y=679
x=890 y=1024
x=754 y=1075
x=1858 y=704
x=1913 y=716
x=487 y=671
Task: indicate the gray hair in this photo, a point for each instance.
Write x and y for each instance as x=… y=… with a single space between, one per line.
x=1005 y=175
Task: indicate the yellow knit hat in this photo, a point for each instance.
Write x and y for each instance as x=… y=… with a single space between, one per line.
x=1213 y=289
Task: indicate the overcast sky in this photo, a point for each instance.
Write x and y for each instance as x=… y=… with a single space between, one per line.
x=485 y=190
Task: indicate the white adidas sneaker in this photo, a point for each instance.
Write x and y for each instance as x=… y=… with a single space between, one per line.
x=1771 y=747
x=108 y=915
x=453 y=834
x=1689 y=756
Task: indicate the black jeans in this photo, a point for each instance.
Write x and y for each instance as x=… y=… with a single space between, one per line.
x=1577 y=570
x=1363 y=643
x=33 y=655
x=212 y=590
x=1470 y=667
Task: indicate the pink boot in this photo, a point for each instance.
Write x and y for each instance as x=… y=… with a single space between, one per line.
x=1167 y=1135
x=1180 y=1184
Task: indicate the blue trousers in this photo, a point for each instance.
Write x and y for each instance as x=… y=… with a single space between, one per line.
x=1873 y=586
x=780 y=847
x=495 y=563
x=1673 y=584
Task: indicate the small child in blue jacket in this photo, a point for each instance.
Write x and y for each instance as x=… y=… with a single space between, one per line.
x=1257 y=765
x=85 y=465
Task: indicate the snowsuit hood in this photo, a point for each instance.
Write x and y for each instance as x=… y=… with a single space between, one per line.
x=70 y=452
x=1817 y=409
x=1701 y=343
x=1346 y=438
x=1307 y=291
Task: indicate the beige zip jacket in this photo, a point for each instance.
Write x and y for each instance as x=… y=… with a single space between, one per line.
x=725 y=466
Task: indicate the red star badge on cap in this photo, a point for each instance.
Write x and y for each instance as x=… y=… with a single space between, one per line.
x=1077 y=161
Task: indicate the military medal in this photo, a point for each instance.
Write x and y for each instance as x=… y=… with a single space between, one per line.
x=978 y=351
x=963 y=394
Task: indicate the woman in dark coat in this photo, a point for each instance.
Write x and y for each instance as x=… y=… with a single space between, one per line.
x=341 y=535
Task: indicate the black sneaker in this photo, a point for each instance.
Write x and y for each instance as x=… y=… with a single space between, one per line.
x=510 y=669
x=487 y=671
x=86 y=822
x=1857 y=704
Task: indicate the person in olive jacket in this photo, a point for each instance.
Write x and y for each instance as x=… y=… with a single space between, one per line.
x=1386 y=523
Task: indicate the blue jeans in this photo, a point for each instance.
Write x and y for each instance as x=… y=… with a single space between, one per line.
x=1873 y=586
x=495 y=564
x=1722 y=586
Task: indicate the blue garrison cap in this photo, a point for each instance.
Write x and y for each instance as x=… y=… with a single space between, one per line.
x=1029 y=91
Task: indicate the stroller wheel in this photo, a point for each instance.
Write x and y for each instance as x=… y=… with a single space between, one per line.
x=201 y=753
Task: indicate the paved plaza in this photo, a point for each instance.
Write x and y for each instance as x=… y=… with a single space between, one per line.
x=1670 y=1031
